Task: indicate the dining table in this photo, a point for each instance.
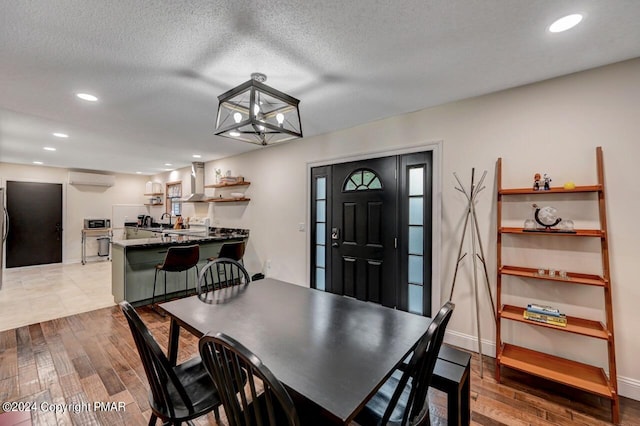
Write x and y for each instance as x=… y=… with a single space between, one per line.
x=330 y=350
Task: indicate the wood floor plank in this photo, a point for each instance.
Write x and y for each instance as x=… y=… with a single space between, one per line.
x=83 y=366
x=84 y=415
x=8 y=363
x=96 y=392
x=60 y=357
x=7 y=339
x=37 y=338
x=9 y=389
x=28 y=381
x=70 y=384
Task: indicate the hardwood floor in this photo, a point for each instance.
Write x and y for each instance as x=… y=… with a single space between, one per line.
x=90 y=357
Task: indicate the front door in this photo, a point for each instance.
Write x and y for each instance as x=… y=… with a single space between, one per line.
x=35 y=214
x=363 y=230
x=371 y=230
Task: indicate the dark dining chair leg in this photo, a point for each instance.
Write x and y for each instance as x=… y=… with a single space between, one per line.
x=172 y=347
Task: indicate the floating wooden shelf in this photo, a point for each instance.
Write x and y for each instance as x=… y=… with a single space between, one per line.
x=227 y=200
x=578 y=233
x=154 y=194
x=575 y=325
x=578 y=375
x=530 y=191
x=572 y=277
x=228 y=185
x=153 y=205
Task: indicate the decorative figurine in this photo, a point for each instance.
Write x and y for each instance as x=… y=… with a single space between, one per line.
x=547 y=181
x=536 y=182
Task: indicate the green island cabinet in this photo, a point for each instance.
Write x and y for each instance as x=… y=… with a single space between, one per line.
x=134 y=265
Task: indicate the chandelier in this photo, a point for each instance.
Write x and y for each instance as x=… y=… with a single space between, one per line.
x=256 y=113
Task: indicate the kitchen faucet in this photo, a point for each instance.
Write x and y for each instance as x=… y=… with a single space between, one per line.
x=166 y=214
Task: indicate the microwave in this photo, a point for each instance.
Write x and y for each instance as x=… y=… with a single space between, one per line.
x=97 y=223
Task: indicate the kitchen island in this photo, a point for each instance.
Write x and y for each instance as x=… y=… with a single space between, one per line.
x=134 y=263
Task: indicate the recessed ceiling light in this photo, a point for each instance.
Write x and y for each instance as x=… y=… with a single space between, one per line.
x=197 y=156
x=87 y=97
x=49 y=148
x=168 y=164
x=38 y=162
x=138 y=173
x=60 y=135
x=565 y=23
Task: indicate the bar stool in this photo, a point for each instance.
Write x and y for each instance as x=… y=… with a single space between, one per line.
x=177 y=259
x=233 y=251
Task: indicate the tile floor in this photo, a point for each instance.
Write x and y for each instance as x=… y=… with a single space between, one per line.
x=40 y=293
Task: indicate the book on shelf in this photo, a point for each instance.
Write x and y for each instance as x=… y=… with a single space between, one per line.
x=541 y=309
x=547 y=319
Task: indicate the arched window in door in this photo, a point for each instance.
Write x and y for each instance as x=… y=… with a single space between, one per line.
x=362 y=180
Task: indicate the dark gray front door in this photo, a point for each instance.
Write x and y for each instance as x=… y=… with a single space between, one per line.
x=35 y=214
x=363 y=230
x=371 y=230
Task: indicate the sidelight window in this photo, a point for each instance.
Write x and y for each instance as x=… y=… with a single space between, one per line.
x=416 y=238
x=321 y=223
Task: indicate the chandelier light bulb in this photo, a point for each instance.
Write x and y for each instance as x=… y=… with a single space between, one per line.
x=234 y=134
x=280 y=118
x=237 y=117
x=256 y=109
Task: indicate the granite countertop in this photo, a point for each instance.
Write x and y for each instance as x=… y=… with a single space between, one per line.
x=170 y=239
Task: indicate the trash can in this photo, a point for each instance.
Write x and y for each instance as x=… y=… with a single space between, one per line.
x=103 y=246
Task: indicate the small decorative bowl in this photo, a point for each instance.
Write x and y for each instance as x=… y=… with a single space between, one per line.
x=237 y=195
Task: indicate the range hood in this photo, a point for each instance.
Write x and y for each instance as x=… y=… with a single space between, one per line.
x=197 y=183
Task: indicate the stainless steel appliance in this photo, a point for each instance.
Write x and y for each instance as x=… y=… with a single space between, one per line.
x=4 y=230
x=97 y=223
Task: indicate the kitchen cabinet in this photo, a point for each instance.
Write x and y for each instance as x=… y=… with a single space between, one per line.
x=569 y=372
x=134 y=264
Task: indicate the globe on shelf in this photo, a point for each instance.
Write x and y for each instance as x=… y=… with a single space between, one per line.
x=547 y=216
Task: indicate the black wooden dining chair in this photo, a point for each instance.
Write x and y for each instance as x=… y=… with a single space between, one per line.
x=262 y=401
x=403 y=398
x=178 y=394
x=223 y=273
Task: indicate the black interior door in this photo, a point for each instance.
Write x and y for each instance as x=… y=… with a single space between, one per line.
x=363 y=230
x=35 y=214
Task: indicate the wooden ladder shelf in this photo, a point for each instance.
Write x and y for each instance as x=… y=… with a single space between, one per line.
x=561 y=370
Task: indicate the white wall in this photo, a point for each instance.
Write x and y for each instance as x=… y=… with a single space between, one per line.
x=79 y=202
x=549 y=127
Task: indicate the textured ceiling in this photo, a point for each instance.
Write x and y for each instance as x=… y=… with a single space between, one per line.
x=158 y=66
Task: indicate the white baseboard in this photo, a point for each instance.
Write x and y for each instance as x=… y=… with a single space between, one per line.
x=470 y=343
x=627 y=387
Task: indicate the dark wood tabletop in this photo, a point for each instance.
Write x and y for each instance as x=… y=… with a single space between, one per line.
x=332 y=350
